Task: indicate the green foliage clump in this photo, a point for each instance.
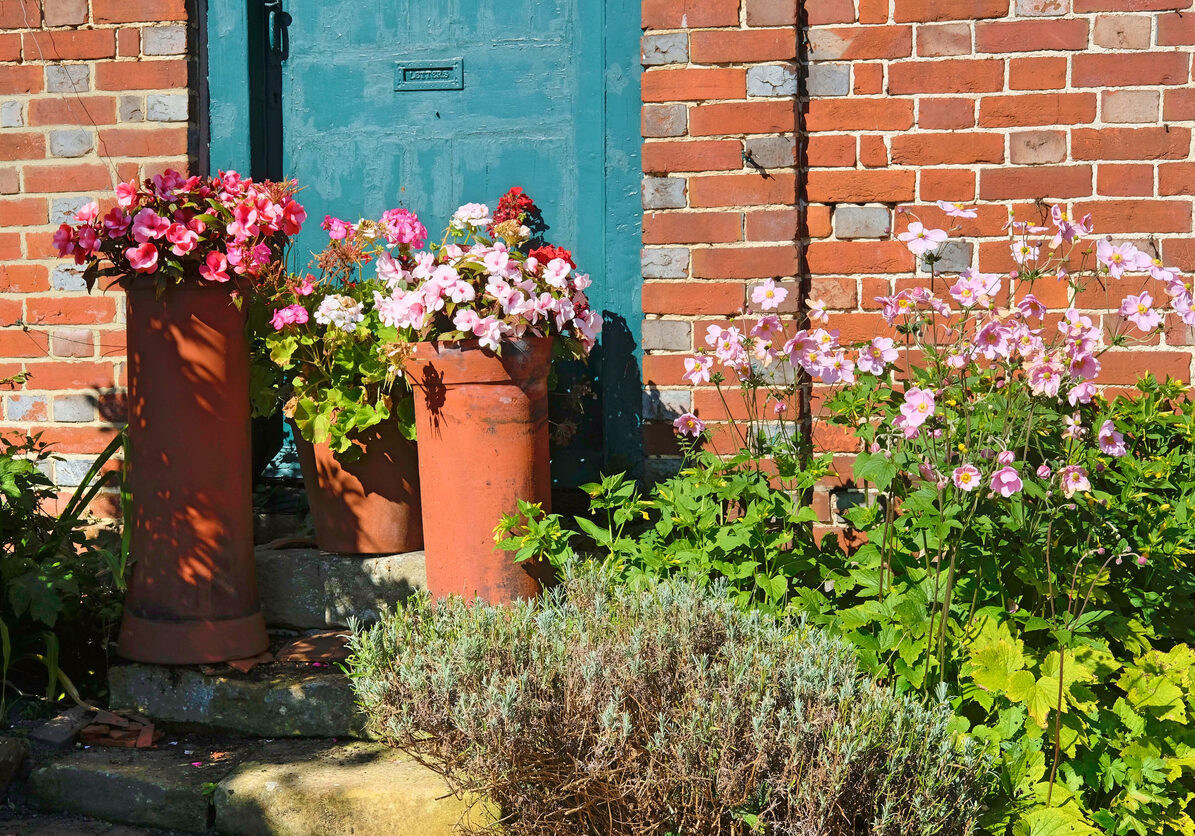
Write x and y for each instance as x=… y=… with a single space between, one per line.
x=1061 y=626
x=60 y=583
x=660 y=709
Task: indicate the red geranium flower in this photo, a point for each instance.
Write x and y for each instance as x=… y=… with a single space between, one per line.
x=548 y=252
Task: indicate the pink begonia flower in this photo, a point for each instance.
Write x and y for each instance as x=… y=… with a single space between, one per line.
x=1139 y=311
x=918 y=407
x=966 y=477
x=1006 y=481
x=1111 y=441
x=1074 y=479
x=689 y=424
x=489 y=332
x=769 y=296
x=126 y=194
x=117 y=222
x=1024 y=251
x=466 y=320
x=88 y=213
x=147 y=225
x=143 y=259
x=64 y=240
x=920 y=240
x=86 y=242
x=697 y=369
x=183 y=239
x=1030 y=306
x=556 y=272
x=290 y=315
x=214 y=267
x=877 y=356
x=1120 y=259
x=957 y=210
x=1006 y=457
x=817 y=311
x=1043 y=471
x=1082 y=393
x=588 y=325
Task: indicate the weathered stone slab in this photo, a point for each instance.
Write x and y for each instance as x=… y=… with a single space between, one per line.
x=312 y=788
x=152 y=788
x=309 y=589
x=60 y=732
x=12 y=754
x=267 y=702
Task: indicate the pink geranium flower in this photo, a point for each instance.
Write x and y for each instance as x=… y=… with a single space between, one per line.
x=290 y=315
x=143 y=259
x=769 y=296
x=1006 y=482
x=689 y=424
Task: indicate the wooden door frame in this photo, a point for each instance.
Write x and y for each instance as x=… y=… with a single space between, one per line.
x=237 y=139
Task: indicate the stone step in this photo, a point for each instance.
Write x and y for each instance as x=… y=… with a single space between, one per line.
x=306 y=588
x=270 y=701
x=250 y=787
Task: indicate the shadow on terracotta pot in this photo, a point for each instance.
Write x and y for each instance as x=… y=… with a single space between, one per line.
x=367 y=506
x=193 y=593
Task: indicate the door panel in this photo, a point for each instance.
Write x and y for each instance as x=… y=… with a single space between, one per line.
x=549 y=101
x=362 y=146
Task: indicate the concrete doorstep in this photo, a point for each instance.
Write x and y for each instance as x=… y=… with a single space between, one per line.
x=274 y=788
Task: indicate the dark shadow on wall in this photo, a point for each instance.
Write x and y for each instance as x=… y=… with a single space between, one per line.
x=801 y=199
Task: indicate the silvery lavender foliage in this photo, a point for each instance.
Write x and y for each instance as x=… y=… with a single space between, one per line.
x=661 y=710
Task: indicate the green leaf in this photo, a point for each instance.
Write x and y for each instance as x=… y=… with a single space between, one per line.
x=994 y=663
x=1038 y=695
x=1054 y=821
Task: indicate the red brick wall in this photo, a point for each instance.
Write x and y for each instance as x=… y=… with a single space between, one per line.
x=909 y=101
x=91 y=91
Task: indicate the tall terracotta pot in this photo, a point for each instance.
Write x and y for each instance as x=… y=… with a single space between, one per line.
x=482 y=422
x=193 y=595
x=368 y=506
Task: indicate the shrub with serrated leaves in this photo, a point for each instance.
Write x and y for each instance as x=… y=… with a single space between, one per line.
x=665 y=709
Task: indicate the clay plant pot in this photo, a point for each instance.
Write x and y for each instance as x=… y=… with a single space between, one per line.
x=193 y=594
x=482 y=423
x=367 y=506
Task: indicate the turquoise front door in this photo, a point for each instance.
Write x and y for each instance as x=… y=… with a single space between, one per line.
x=428 y=104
